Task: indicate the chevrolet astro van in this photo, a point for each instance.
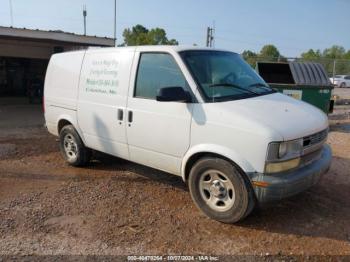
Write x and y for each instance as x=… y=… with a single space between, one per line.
x=202 y=114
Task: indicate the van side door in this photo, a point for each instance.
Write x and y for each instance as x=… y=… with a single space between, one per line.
x=103 y=90
x=158 y=133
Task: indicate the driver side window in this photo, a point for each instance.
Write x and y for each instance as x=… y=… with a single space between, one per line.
x=157 y=70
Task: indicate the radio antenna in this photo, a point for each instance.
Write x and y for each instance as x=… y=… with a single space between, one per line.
x=84 y=15
x=11 y=12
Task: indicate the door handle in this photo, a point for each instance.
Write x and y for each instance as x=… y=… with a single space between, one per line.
x=120 y=114
x=130 y=116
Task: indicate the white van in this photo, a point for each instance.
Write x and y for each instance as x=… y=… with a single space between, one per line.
x=201 y=114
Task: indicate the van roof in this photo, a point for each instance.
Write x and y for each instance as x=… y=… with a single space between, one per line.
x=155 y=48
x=147 y=48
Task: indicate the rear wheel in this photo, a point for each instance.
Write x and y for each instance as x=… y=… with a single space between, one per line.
x=220 y=191
x=73 y=148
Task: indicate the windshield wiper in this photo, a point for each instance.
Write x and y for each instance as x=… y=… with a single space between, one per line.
x=235 y=86
x=259 y=84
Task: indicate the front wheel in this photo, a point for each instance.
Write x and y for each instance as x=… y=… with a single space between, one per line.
x=342 y=85
x=220 y=191
x=73 y=148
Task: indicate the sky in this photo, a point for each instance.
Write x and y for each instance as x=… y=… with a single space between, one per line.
x=294 y=26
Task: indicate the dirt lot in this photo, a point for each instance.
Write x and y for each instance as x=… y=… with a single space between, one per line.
x=115 y=207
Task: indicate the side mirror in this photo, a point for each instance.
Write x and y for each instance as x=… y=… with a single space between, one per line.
x=173 y=94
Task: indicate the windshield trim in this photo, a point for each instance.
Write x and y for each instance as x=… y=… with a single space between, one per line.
x=207 y=99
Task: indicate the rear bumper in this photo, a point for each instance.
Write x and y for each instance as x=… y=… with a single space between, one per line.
x=289 y=183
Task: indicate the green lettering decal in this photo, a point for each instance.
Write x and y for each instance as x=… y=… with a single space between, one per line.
x=102 y=77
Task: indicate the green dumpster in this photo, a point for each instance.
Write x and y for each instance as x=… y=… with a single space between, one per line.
x=304 y=81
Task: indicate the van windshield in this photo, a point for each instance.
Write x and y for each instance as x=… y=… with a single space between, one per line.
x=224 y=76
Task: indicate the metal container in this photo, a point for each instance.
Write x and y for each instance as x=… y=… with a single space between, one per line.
x=304 y=81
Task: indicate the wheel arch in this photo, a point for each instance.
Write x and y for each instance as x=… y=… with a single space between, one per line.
x=64 y=120
x=198 y=152
x=62 y=123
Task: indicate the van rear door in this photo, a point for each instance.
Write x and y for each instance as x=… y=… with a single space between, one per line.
x=103 y=89
x=158 y=132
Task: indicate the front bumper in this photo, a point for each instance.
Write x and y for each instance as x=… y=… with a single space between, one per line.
x=289 y=183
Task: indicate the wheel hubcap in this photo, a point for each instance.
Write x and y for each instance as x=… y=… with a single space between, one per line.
x=70 y=147
x=217 y=190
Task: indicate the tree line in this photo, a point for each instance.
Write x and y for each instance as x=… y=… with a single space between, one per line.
x=140 y=35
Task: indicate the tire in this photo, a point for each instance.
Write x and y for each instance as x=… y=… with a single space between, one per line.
x=342 y=85
x=229 y=205
x=72 y=147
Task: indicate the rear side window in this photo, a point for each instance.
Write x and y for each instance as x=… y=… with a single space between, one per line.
x=157 y=70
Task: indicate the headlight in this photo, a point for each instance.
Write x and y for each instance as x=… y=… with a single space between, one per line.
x=282 y=156
x=290 y=149
x=279 y=151
x=282 y=150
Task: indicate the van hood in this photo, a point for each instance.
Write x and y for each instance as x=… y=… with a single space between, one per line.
x=290 y=118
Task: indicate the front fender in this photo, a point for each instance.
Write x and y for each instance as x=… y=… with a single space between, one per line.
x=219 y=150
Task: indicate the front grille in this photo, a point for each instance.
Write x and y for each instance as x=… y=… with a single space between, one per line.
x=315 y=138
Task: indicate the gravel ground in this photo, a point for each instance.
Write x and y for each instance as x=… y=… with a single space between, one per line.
x=115 y=207
x=343 y=93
